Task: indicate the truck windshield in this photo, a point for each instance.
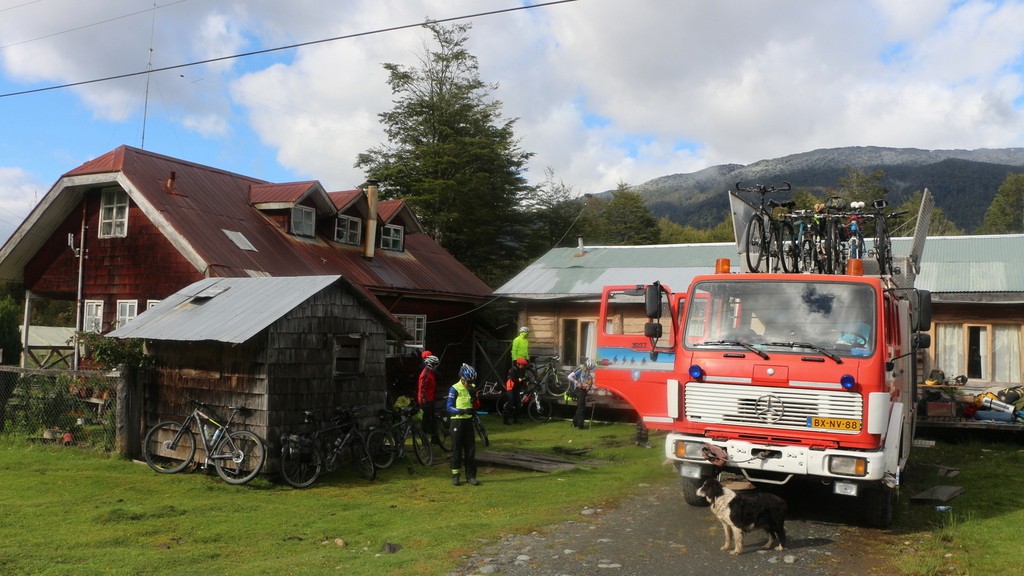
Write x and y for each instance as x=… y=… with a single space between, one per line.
x=778 y=317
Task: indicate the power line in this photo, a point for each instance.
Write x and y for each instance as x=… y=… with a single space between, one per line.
x=84 y=26
x=288 y=47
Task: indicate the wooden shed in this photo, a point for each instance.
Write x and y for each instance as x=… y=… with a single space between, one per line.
x=278 y=345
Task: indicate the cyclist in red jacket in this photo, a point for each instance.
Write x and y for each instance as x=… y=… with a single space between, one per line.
x=425 y=389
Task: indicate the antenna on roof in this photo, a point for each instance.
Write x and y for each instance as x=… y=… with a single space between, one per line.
x=149 y=67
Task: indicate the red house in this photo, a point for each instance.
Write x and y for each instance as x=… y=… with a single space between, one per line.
x=131 y=227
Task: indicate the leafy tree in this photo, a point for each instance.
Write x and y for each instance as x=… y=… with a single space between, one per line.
x=940 y=224
x=1006 y=213
x=10 y=343
x=451 y=156
x=628 y=220
x=672 y=233
x=857 y=185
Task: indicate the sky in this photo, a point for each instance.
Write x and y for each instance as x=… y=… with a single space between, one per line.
x=603 y=91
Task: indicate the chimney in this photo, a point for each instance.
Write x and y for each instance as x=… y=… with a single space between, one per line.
x=580 y=250
x=170 y=181
x=371 y=219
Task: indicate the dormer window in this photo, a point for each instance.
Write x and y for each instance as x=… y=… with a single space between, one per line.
x=303 y=221
x=113 y=213
x=392 y=238
x=348 y=230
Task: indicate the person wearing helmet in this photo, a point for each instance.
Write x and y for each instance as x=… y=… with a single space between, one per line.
x=514 y=386
x=460 y=406
x=521 y=345
x=581 y=380
x=426 y=386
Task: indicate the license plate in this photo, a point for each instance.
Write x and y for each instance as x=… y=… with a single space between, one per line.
x=833 y=423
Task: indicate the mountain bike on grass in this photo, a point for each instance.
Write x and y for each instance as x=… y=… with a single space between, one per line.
x=236 y=455
x=327 y=445
x=763 y=238
x=387 y=440
x=537 y=409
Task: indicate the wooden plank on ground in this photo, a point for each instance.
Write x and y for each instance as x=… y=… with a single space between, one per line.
x=530 y=460
x=938 y=494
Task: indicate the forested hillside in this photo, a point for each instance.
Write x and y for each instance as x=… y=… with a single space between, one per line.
x=962 y=181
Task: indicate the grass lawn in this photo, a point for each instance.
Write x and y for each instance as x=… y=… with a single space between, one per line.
x=983 y=531
x=70 y=511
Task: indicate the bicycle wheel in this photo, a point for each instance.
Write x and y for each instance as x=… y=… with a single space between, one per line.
x=832 y=248
x=789 y=248
x=239 y=457
x=808 y=255
x=168 y=447
x=501 y=405
x=555 y=383
x=882 y=244
x=444 y=432
x=381 y=446
x=481 y=431
x=754 y=243
x=539 y=410
x=301 y=462
x=362 y=460
x=421 y=447
x=773 y=260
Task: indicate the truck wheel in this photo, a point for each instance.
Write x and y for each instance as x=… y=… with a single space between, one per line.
x=690 y=487
x=880 y=506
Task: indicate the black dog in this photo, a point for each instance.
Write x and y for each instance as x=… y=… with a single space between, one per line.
x=741 y=512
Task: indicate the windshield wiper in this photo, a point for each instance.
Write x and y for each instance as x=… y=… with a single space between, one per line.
x=746 y=345
x=808 y=346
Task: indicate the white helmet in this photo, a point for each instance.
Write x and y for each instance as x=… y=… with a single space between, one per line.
x=524 y=330
x=432 y=361
x=589 y=364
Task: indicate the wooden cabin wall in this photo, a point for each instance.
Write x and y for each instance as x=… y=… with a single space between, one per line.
x=301 y=359
x=216 y=373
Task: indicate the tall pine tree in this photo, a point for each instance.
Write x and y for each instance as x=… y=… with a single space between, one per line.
x=451 y=156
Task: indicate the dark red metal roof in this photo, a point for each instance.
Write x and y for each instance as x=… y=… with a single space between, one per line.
x=205 y=202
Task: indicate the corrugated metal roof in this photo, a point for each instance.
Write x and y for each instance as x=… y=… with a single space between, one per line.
x=204 y=201
x=229 y=310
x=950 y=264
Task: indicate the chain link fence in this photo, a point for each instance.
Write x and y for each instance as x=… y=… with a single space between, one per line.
x=59 y=406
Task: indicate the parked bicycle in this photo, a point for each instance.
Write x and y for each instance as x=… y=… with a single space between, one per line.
x=882 y=246
x=537 y=409
x=764 y=234
x=324 y=448
x=387 y=441
x=548 y=378
x=236 y=455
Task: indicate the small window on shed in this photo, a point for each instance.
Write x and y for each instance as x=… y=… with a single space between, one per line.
x=303 y=221
x=348 y=354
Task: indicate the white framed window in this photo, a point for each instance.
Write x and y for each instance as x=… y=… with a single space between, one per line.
x=303 y=221
x=151 y=303
x=415 y=325
x=983 y=352
x=126 y=311
x=392 y=238
x=348 y=355
x=92 y=319
x=113 y=213
x=578 y=340
x=348 y=230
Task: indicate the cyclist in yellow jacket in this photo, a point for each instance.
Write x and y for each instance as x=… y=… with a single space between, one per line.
x=460 y=407
x=521 y=345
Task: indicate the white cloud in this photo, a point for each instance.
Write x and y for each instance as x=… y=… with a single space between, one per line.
x=605 y=90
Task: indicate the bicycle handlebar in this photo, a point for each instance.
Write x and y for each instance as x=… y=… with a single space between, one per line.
x=762 y=189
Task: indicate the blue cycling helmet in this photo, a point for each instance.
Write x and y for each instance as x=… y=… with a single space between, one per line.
x=467 y=373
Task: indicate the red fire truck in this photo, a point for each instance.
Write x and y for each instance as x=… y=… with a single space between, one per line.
x=774 y=377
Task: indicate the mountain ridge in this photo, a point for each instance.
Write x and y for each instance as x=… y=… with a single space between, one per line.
x=962 y=181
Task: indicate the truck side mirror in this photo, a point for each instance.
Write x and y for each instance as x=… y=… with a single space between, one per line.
x=924 y=310
x=922 y=340
x=652 y=300
x=652 y=330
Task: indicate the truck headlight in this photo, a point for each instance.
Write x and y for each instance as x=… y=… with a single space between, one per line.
x=689 y=450
x=848 y=465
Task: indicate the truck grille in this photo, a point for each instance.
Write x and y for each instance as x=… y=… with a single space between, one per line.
x=769 y=406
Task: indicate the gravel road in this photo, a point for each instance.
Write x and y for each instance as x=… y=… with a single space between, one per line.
x=654 y=532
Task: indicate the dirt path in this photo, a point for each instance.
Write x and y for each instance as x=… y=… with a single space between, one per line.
x=654 y=533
